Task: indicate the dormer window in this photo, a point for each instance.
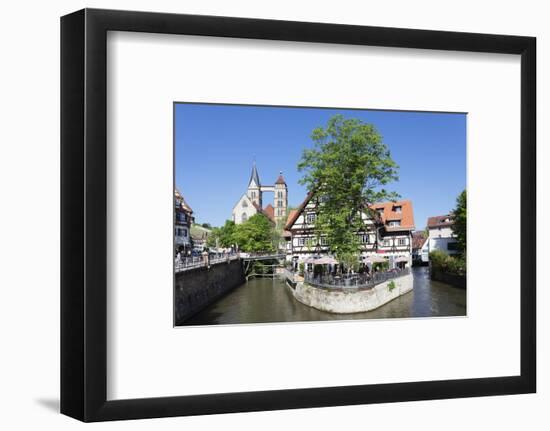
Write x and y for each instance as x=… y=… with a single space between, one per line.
x=310 y=218
x=394 y=223
x=397 y=209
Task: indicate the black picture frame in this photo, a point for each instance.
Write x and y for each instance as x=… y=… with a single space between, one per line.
x=84 y=214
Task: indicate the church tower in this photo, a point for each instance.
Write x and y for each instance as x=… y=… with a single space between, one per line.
x=254 y=191
x=280 y=200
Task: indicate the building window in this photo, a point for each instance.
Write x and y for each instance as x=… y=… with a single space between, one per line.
x=394 y=223
x=310 y=218
x=253 y=195
x=397 y=209
x=311 y=242
x=301 y=241
x=365 y=238
x=244 y=217
x=244 y=205
x=184 y=232
x=386 y=243
x=451 y=246
x=323 y=240
x=280 y=194
x=401 y=241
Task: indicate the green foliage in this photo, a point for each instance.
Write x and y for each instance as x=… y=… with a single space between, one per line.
x=381 y=266
x=301 y=268
x=441 y=261
x=391 y=285
x=350 y=260
x=348 y=168
x=222 y=236
x=206 y=225
x=459 y=226
x=256 y=234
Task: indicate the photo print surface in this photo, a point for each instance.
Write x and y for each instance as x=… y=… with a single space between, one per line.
x=295 y=214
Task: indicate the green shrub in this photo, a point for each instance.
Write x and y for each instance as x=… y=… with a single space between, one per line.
x=441 y=261
x=391 y=285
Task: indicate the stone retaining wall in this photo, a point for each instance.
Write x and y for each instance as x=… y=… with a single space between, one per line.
x=197 y=288
x=352 y=300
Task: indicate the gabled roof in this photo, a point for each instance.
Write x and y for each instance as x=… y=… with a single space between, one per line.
x=270 y=211
x=183 y=203
x=248 y=200
x=388 y=213
x=294 y=214
x=254 y=177
x=418 y=239
x=440 y=221
x=261 y=211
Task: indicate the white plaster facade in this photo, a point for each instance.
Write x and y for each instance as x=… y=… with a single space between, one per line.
x=243 y=209
x=442 y=238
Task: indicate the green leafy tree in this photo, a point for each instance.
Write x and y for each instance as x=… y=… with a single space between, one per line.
x=256 y=234
x=222 y=236
x=348 y=168
x=459 y=225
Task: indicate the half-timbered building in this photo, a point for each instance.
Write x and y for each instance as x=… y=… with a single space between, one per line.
x=387 y=231
x=183 y=221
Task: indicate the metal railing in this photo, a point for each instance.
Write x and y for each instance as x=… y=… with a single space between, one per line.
x=190 y=262
x=353 y=281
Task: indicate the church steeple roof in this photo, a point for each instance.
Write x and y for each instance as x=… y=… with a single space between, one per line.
x=280 y=180
x=254 y=177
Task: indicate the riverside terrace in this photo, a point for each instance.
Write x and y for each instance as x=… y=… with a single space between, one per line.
x=362 y=281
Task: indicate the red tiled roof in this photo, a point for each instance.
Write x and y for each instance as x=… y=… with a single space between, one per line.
x=294 y=214
x=406 y=216
x=270 y=211
x=261 y=211
x=440 y=221
x=418 y=239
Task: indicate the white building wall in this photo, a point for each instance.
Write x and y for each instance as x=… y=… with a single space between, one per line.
x=439 y=239
x=243 y=206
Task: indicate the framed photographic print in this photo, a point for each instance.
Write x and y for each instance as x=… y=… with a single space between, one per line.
x=262 y=215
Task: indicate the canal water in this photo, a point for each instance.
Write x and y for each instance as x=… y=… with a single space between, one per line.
x=266 y=300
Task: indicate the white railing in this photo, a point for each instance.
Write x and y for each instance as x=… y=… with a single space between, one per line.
x=190 y=262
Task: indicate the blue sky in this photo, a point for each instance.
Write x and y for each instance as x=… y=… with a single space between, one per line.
x=215 y=146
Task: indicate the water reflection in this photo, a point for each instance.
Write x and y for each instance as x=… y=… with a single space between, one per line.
x=263 y=301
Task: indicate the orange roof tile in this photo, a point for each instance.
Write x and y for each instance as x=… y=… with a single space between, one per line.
x=406 y=216
x=270 y=211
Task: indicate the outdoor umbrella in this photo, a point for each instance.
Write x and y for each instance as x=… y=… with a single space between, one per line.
x=327 y=260
x=375 y=259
